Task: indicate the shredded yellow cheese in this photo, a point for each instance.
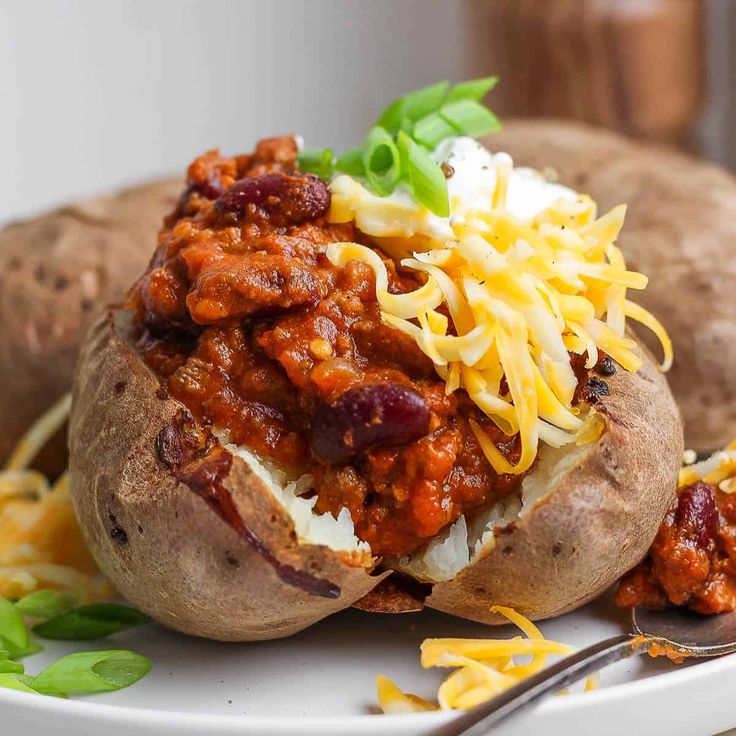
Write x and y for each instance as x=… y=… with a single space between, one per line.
x=504 y=302
x=45 y=427
x=483 y=668
x=718 y=470
x=41 y=545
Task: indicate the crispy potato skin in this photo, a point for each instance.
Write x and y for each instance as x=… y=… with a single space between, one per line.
x=159 y=542
x=594 y=525
x=680 y=229
x=55 y=271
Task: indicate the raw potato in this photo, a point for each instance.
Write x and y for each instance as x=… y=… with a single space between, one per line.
x=160 y=543
x=55 y=271
x=596 y=522
x=138 y=484
x=680 y=230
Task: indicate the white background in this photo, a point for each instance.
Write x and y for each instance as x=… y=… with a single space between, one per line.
x=95 y=94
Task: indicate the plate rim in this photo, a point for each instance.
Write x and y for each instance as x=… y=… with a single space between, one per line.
x=225 y=721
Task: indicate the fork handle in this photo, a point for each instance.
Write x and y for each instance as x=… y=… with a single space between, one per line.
x=478 y=721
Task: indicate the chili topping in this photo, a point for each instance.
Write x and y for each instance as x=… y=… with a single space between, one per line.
x=250 y=326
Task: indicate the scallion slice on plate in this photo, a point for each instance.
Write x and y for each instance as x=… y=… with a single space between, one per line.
x=90 y=622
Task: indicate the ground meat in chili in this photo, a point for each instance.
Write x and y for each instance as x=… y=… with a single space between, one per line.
x=251 y=327
x=693 y=559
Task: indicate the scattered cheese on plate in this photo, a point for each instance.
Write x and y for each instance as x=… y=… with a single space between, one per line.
x=483 y=668
x=41 y=545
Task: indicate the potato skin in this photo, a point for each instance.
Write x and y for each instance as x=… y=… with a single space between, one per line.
x=54 y=272
x=160 y=543
x=597 y=523
x=680 y=229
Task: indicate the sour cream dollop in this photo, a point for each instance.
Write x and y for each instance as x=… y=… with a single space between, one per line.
x=474 y=176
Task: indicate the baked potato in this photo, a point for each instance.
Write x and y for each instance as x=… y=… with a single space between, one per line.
x=169 y=550
x=54 y=271
x=679 y=231
x=262 y=436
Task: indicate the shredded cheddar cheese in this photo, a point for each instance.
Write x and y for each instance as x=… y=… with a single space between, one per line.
x=718 y=470
x=483 y=668
x=41 y=545
x=503 y=303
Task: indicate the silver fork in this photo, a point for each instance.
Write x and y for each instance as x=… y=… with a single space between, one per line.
x=687 y=633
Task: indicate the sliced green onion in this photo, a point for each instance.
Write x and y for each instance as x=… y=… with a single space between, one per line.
x=382 y=161
x=423 y=101
x=351 y=162
x=12 y=628
x=473 y=89
x=7 y=665
x=407 y=125
x=470 y=118
x=16 y=652
x=316 y=161
x=390 y=119
x=46 y=604
x=413 y=106
x=91 y=622
x=395 y=149
x=123 y=669
x=424 y=176
x=431 y=130
x=92 y=672
x=14 y=681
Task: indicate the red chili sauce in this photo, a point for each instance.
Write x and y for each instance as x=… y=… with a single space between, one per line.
x=250 y=326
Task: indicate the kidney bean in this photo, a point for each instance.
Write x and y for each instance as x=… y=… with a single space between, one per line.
x=605 y=366
x=366 y=417
x=697 y=513
x=211 y=189
x=281 y=198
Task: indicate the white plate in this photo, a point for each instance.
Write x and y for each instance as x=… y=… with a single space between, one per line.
x=321 y=682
